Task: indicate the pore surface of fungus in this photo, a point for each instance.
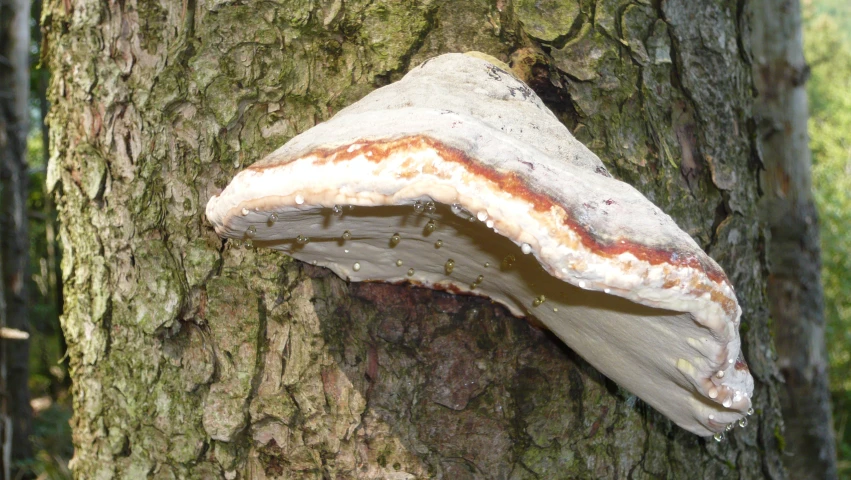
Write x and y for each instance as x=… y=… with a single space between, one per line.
x=457 y=177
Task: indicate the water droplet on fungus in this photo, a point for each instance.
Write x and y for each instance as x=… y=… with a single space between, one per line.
x=449 y=266
x=508 y=262
x=429 y=227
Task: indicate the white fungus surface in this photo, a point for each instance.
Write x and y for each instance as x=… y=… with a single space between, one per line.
x=458 y=178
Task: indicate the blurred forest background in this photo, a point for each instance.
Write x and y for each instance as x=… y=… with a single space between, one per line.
x=827 y=44
x=827 y=41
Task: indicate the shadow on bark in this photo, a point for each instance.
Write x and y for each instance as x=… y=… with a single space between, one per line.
x=467 y=389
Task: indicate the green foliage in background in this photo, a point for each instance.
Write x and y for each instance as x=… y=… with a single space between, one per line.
x=839 y=11
x=827 y=44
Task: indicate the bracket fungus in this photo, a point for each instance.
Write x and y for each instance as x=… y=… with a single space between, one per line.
x=458 y=178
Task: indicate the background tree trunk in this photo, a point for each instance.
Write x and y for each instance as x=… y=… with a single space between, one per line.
x=794 y=285
x=191 y=357
x=15 y=412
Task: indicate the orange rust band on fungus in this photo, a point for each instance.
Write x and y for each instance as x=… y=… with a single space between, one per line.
x=509 y=182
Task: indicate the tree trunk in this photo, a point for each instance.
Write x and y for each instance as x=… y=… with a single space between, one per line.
x=794 y=284
x=15 y=413
x=192 y=357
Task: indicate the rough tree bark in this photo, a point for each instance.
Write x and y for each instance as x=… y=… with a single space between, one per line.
x=191 y=357
x=794 y=253
x=14 y=239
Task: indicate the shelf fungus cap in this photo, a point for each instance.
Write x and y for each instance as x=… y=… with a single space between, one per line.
x=458 y=178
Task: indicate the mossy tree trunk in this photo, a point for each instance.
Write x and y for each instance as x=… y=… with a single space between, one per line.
x=191 y=357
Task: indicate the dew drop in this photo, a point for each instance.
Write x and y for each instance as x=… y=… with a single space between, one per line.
x=249 y=244
x=351 y=207
x=299 y=199
x=302 y=240
x=418 y=207
x=729 y=427
x=410 y=272
x=727 y=403
x=449 y=266
x=539 y=300
x=480 y=279
x=526 y=248
x=347 y=235
x=356 y=266
x=750 y=411
x=237 y=243
x=743 y=422
x=462 y=212
x=429 y=207
x=251 y=232
x=489 y=223
x=272 y=218
x=487 y=264
x=395 y=239
x=508 y=262
x=399 y=263
x=429 y=227
x=718 y=437
x=582 y=284
x=607 y=290
x=482 y=216
x=338 y=210
x=555 y=310
x=244 y=212
x=719 y=374
x=438 y=244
